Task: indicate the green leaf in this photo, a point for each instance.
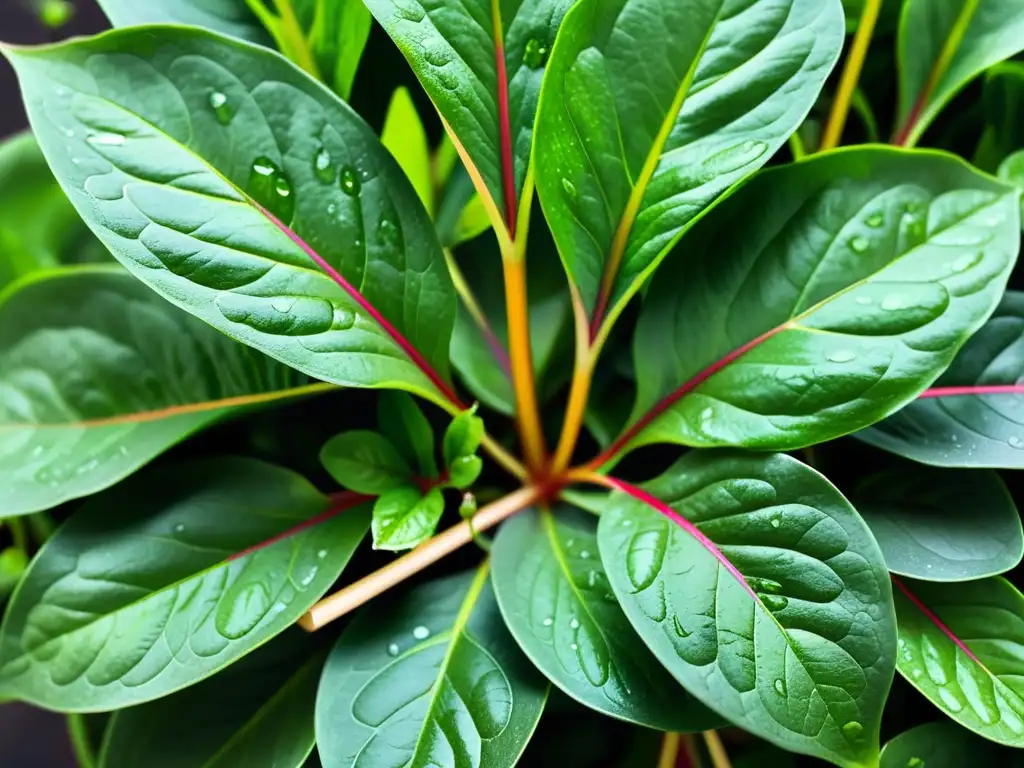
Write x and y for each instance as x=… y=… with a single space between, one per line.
x=430 y=679
x=258 y=712
x=241 y=190
x=1011 y=170
x=406 y=139
x=942 y=526
x=365 y=462
x=464 y=471
x=652 y=109
x=461 y=214
x=168 y=578
x=402 y=422
x=336 y=34
x=852 y=282
x=463 y=436
x=13 y=562
x=557 y=603
x=942 y=46
x=956 y=424
x=99 y=375
x=229 y=17
x=962 y=646
x=406 y=517
x=1003 y=101
x=483 y=74
x=769 y=601
x=945 y=745
x=39 y=228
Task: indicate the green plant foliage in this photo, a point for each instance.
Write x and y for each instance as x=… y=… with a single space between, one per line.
x=944 y=745
x=230 y=17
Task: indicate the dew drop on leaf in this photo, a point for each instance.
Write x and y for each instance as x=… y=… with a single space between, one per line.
x=1015 y=442
x=221 y=109
x=842 y=356
x=859 y=244
x=894 y=302
x=574 y=623
x=950 y=700
x=585 y=554
x=323 y=166
x=349 y=181
x=179 y=528
x=780 y=687
x=321 y=554
x=915 y=762
x=421 y=632
x=967 y=261
x=282 y=187
x=535 y=54
x=548 y=621
x=343 y=320
x=774 y=602
x=238 y=615
x=393 y=649
x=573 y=646
x=106 y=139
x=853 y=730
x=776 y=521
x=875 y=220
x=570 y=188
x=264 y=167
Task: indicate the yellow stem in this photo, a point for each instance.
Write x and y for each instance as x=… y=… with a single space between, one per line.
x=716 y=750
x=669 y=751
x=521 y=362
x=690 y=747
x=851 y=74
x=503 y=457
x=579 y=390
x=427 y=553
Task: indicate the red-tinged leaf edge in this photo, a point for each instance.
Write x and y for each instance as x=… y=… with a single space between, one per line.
x=508 y=176
x=980 y=389
x=940 y=625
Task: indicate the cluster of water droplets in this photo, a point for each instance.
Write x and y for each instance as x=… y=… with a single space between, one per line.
x=419 y=634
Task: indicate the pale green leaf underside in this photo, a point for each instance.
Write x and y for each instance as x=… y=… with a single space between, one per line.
x=432 y=679
x=987 y=616
x=98 y=375
x=855 y=278
x=968 y=430
x=164 y=138
x=710 y=90
x=808 y=664
x=140 y=593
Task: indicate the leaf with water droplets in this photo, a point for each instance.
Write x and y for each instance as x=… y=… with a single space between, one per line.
x=230 y=220
x=945 y=745
x=99 y=375
x=809 y=673
x=168 y=578
x=405 y=517
x=942 y=526
x=653 y=109
x=429 y=678
x=560 y=609
x=804 y=337
x=230 y=17
x=962 y=646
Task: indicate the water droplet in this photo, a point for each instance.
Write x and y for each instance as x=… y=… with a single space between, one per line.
x=570 y=188
x=263 y=166
x=349 y=181
x=894 y=301
x=950 y=700
x=69 y=132
x=1015 y=442
x=239 y=614
x=106 y=139
x=853 y=730
x=548 y=621
x=967 y=261
x=323 y=166
x=775 y=521
x=574 y=646
x=875 y=220
x=706 y=414
x=321 y=554
x=574 y=623
x=436 y=53
x=87 y=467
x=306 y=580
x=570 y=543
x=331 y=209
x=774 y=602
x=859 y=244
x=37 y=451
x=179 y=528
x=421 y=632
x=343 y=319
x=388 y=235
x=221 y=109
x=865 y=300
x=626 y=523
x=842 y=356
x=780 y=687
x=585 y=555
x=591 y=578
x=908 y=656
x=535 y=53
x=271 y=188
x=915 y=762
x=282 y=187
x=393 y=649
x=916 y=674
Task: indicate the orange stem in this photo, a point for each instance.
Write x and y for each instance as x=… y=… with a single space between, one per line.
x=521 y=361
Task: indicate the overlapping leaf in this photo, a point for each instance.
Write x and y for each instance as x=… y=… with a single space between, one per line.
x=257 y=712
x=945 y=745
x=432 y=679
x=943 y=45
x=244 y=192
x=653 y=108
x=962 y=646
x=760 y=589
x=852 y=282
x=557 y=603
x=98 y=375
x=230 y=17
x=169 y=577
x=1003 y=104
x=942 y=526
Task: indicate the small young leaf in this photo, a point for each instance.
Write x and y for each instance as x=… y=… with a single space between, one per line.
x=762 y=591
x=432 y=678
x=259 y=711
x=558 y=605
x=464 y=471
x=942 y=526
x=169 y=577
x=962 y=646
x=405 y=517
x=365 y=462
x=402 y=422
x=463 y=436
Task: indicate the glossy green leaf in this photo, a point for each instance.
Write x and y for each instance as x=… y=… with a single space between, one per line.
x=258 y=712
x=557 y=603
x=463 y=436
x=13 y=562
x=174 y=143
x=98 y=375
x=230 y=17
x=405 y=138
x=365 y=462
x=652 y=109
x=464 y=471
x=942 y=526
x=1011 y=169
x=482 y=63
x=943 y=45
x=402 y=422
x=168 y=578
x=954 y=428
x=431 y=678
x=945 y=745
x=336 y=33
x=962 y=646
x=852 y=282
x=772 y=605
x=39 y=228
x=461 y=214
x=1003 y=103
x=406 y=517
